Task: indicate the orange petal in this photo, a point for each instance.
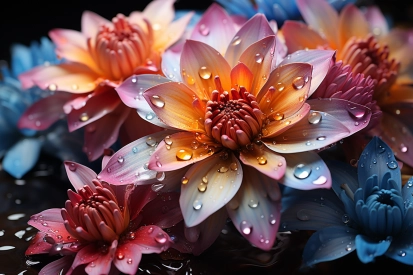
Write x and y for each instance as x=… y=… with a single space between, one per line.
x=266 y=161
x=286 y=89
x=160 y=13
x=241 y=76
x=352 y=23
x=299 y=36
x=200 y=64
x=180 y=150
x=177 y=106
x=398 y=94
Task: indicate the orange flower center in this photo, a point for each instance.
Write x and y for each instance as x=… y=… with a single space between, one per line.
x=119 y=48
x=233 y=119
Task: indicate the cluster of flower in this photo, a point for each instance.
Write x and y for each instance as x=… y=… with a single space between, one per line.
x=276 y=116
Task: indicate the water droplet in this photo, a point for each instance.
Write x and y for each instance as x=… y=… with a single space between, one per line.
x=120 y=256
x=202 y=187
x=150 y=116
x=258 y=58
x=168 y=140
x=401 y=253
x=348 y=248
x=314 y=117
x=150 y=141
x=184 y=154
x=356 y=111
x=129 y=261
x=246 y=227
x=262 y=160
x=150 y=230
x=320 y=180
x=223 y=169
x=160 y=238
x=121 y=159
x=298 y=83
x=233 y=166
x=272 y=219
x=72 y=167
x=302 y=171
x=160 y=176
x=134 y=150
x=84 y=117
x=253 y=203
x=194 y=144
x=236 y=41
x=184 y=180
x=280 y=86
x=403 y=148
x=109 y=169
x=197 y=205
x=278 y=116
x=321 y=138
x=190 y=80
x=204 y=73
x=203 y=30
x=303 y=215
x=157 y=101
x=392 y=164
x=345 y=218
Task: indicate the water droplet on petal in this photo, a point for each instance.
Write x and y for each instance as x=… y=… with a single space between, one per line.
x=258 y=58
x=202 y=187
x=278 y=116
x=320 y=180
x=233 y=166
x=150 y=116
x=272 y=219
x=303 y=215
x=298 y=83
x=345 y=218
x=197 y=205
x=356 y=111
x=203 y=30
x=246 y=227
x=184 y=180
x=150 y=141
x=157 y=101
x=129 y=261
x=392 y=164
x=302 y=171
x=134 y=150
x=160 y=176
x=236 y=41
x=72 y=167
x=168 y=140
x=262 y=160
x=401 y=253
x=223 y=169
x=253 y=203
x=321 y=138
x=204 y=73
x=184 y=154
x=52 y=87
x=160 y=238
x=403 y=148
x=84 y=117
x=121 y=159
x=314 y=117
x=280 y=86
x=348 y=248
x=120 y=256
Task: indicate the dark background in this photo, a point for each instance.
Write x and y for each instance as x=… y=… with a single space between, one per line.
x=25 y=21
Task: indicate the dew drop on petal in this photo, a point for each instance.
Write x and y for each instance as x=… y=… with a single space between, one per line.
x=392 y=164
x=236 y=41
x=246 y=227
x=278 y=116
x=168 y=140
x=160 y=238
x=258 y=58
x=72 y=167
x=320 y=180
x=403 y=148
x=184 y=154
x=150 y=230
x=272 y=219
x=52 y=87
x=345 y=218
x=121 y=159
x=184 y=180
x=84 y=117
x=160 y=176
x=202 y=187
x=223 y=169
x=150 y=141
x=150 y=116
x=401 y=253
x=253 y=203
x=302 y=171
x=129 y=261
x=120 y=256
x=262 y=160
x=203 y=30
x=134 y=150
x=204 y=73
x=157 y=101
x=280 y=86
x=321 y=138
x=303 y=215
x=356 y=111
x=233 y=166
x=381 y=149
x=197 y=205
x=298 y=83
x=314 y=118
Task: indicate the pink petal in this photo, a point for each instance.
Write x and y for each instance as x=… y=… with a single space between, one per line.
x=91 y=22
x=321 y=60
x=321 y=16
x=241 y=76
x=181 y=149
x=352 y=23
x=306 y=171
x=215 y=28
x=79 y=175
x=163 y=211
x=255 y=209
x=86 y=255
x=160 y=12
x=44 y=113
x=200 y=65
x=377 y=21
x=139 y=198
x=252 y=31
x=59 y=266
x=177 y=106
x=170 y=65
x=98 y=136
x=103 y=263
x=299 y=36
x=38 y=245
x=221 y=177
x=127 y=258
x=258 y=58
x=205 y=233
x=265 y=161
x=67 y=77
x=286 y=89
x=129 y=164
x=151 y=239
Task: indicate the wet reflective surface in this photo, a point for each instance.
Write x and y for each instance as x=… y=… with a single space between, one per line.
x=45 y=187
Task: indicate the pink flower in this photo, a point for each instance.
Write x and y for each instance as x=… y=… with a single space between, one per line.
x=98 y=59
x=103 y=228
x=241 y=122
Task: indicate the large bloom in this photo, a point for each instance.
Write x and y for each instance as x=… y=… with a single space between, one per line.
x=367 y=210
x=241 y=126
x=103 y=228
x=366 y=43
x=99 y=58
x=15 y=142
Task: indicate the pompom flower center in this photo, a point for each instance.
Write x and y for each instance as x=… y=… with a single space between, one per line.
x=119 y=48
x=233 y=119
x=94 y=215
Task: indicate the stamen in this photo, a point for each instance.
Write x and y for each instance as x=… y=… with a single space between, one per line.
x=348 y=191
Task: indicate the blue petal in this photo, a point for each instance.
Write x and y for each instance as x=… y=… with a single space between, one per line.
x=407 y=192
x=377 y=159
x=401 y=248
x=367 y=249
x=329 y=244
x=342 y=173
x=22 y=157
x=21 y=60
x=311 y=210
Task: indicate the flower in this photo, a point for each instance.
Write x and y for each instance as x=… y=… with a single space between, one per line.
x=367 y=210
x=99 y=58
x=272 y=9
x=15 y=143
x=239 y=121
x=365 y=42
x=103 y=228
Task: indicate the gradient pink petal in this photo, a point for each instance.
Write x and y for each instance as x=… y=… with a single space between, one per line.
x=163 y=211
x=79 y=175
x=170 y=63
x=86 y=255
x=172 y=32
x=377 y=21
x=151 y=239
x=138 y=198
x=160 y=12
x=91 y=22
x=38 y=245
x=59 y=266
x=241 y=76
x=127 y=258
x=102 y=264
x=352 y=23
x=255 y=209
x=221 y=177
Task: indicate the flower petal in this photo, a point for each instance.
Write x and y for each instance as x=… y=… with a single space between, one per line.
x=160 y=12
x=215 y=28
x=171 y=60
x=102 y=264
x=258 y=58
x=241 y=76
x=306 y=171
x=255 y=209
x=51 y=222
x=368 y=249
x=299 y=36
x=321 y=60
x=151 y=239
x=45 y=112
x=129 y=164
x=91 y=22
x=79 y=175
x=321 y=16
x=352 y=23
x=211 y=184
x=181 y=149
x=377 y=20
x=38 y=245
x=286 y=89
x=252 y=31
x=265 y=161
x=127 y=258
x=17 y=162
x=200 y=65
x=60 y=265
x=328 y=244
x=86 y=255
x=163 y=211
x=177 y=106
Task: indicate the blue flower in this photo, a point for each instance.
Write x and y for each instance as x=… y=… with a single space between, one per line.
x=367 y=210
x=20 y=148
x=278 y=10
